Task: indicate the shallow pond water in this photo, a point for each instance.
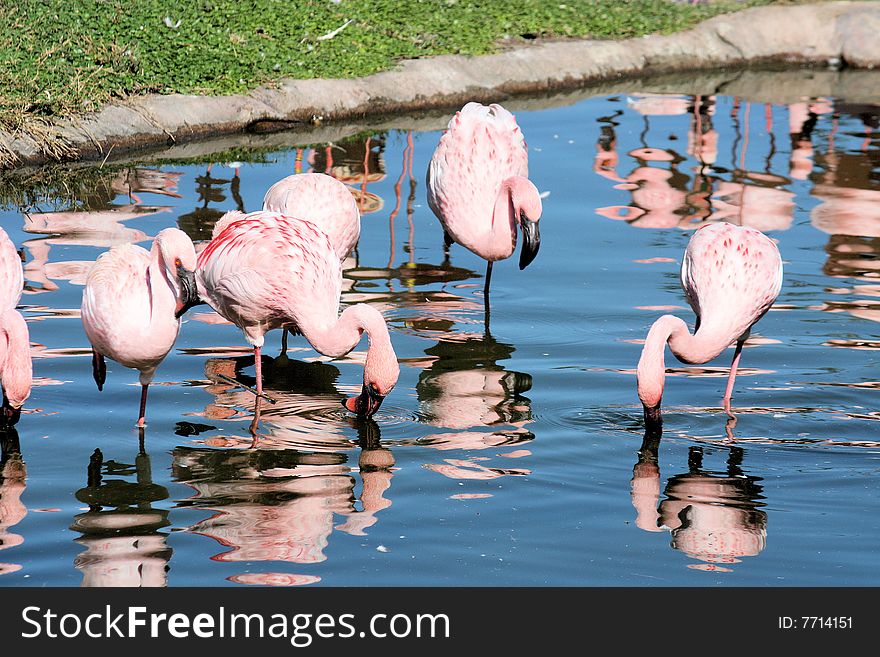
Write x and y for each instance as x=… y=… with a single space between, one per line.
x=507 y=455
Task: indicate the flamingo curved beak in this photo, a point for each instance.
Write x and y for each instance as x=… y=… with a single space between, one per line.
x=531 y=241
x=8 y=415
x=366 y=403
x=189 y=292
x=653 y=420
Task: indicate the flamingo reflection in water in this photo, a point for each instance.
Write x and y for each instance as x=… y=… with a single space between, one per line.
x=845 y=182
x=13 y=481
x=280 y=504
x=306 y=413
x=463 y=388
x=661 y=197
x=211 y=190
x=658 y=195
x=714 y=517
x=121 y=530
x=357 y=163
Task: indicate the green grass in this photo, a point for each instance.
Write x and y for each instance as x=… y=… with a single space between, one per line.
x=61 y=57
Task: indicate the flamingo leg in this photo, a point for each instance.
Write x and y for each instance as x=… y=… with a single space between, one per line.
x=730 y=379
x=283 y=343
x=486 y=308
x=258 y=401
x=729 y=427
x=447 y=242
x=142 y=417
x=99 y=369
x=258 y=367
x=255 y=423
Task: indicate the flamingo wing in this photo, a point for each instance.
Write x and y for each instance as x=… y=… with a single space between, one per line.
x=322 y=200
x=116 y=289
x=118 y=310
x=261 y=269
x=482 y=147
x=731 y=275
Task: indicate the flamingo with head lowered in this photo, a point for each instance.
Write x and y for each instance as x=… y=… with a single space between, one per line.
x=478 y=186
x=132 y=304
x=265 y=270
x=731 y=275
x=323 y=200
x=16 y=372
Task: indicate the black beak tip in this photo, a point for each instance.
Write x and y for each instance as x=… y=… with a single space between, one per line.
x=9 y=416
x=189 y=290
x=526 y=256
x=191 y=302
x=365 y=404
x=531 y=243
x=653 y=420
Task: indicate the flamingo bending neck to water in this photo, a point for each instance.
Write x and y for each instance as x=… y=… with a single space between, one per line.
x=731 y=275
x=265 y=270
x=16 y=373
x=132 y=303
x=324 y=201
x=479 y=189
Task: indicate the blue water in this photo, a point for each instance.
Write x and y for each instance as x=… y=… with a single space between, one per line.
x=512 y=456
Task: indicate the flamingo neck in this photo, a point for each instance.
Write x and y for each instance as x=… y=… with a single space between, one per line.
x=341 y=336
x=16 y=370
x=159 y=283
x=700 y=347
x=503 y=229
x=338 y=337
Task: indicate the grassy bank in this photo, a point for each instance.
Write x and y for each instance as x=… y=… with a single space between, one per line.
x=61 y=57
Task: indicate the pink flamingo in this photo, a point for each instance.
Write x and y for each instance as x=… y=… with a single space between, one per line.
x=479 y=189
x=731 y=275
x=324 y=201
x=265 y=270
x=132 y=304
x=16 y=370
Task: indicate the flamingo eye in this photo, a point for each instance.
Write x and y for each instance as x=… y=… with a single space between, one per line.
x=177 y=262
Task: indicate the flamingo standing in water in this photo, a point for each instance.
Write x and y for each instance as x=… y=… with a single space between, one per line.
x=324 y=201
x=265 y=270
x=478 y=186
x=16 y=372
x=731 y=275
x=132 y=304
